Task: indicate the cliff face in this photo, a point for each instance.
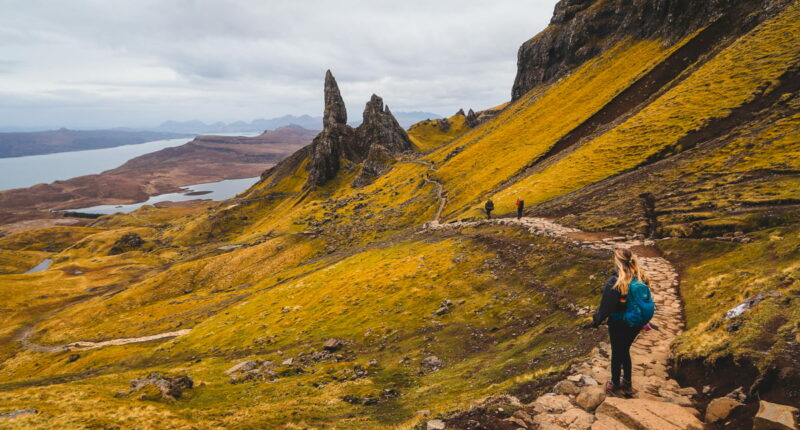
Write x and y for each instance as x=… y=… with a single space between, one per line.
x=582 y=29
x=338 y=141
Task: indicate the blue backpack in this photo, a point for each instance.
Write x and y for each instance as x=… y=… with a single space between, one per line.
x=640 y=306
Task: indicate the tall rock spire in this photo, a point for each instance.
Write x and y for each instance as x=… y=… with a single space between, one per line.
x=335 y=111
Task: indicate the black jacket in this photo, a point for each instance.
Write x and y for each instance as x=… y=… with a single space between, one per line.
x=612 y=302
x=489 y=206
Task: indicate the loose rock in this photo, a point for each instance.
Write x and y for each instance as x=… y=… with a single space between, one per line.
x=719 y=409
x=772 y=416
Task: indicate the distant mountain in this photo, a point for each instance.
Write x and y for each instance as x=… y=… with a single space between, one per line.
x=20 y=144
x=406 y=119
x=304 y=121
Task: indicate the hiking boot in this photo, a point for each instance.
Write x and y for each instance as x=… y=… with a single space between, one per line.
x=627 y=388
x=614 y=390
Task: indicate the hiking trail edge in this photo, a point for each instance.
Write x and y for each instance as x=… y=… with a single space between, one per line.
x=659 y=402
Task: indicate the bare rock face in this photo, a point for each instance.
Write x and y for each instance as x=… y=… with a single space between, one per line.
x=580 y=31
x=381 y=128
x=327 y=150
x=339 y=142
x=335 y=111
x=379 y=161
x=472 y=119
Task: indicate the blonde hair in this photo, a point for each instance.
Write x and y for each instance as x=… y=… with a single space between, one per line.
x=628 y=269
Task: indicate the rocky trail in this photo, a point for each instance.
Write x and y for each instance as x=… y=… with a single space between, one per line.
x=579 y=402
x=24 y=340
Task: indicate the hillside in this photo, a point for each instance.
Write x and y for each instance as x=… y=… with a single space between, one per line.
x=204 y=159
x=358 y=284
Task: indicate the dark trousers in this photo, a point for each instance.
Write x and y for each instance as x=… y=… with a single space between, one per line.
x=488 y=214
x=519 y=213
x=622 y=337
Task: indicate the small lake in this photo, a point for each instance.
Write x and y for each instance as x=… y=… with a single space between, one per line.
x=209 y=191
x=44 y=265
x=22 y=172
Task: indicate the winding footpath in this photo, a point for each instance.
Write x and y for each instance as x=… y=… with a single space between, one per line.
x=579 y=402
x=82 y=345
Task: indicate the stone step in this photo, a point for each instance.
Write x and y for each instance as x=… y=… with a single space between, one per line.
x=605 y=422
x=641 y=414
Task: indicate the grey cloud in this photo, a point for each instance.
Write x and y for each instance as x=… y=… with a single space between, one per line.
x=151 y=60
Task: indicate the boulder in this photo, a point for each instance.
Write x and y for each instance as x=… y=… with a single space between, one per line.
x=169 y=387
x=719 y=409
x=772 y=416
x=432 y=363
x=566 y=387
x=128 y=242
x=591 y=397
x=576 y=419
x=244 y=366
x=749 y=303
x=576 y=378
x=643 y=414
x=546 y=422
x=333 y=344
x=588 y=380
x=552 y=403
x=436 y=425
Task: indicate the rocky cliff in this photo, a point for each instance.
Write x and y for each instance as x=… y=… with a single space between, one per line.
x=338 y=141
x=582 y=29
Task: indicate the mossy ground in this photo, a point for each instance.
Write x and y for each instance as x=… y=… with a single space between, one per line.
x=716 y=276
x=508 y=326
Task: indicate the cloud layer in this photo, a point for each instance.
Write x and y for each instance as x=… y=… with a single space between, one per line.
x=103 y=63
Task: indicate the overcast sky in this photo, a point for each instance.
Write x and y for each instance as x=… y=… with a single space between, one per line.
x=106 y=63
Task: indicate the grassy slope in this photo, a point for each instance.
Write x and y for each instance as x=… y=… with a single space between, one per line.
x=427 y=135
x=725 y=82
x=495 y=151
x=311 y=263
x=386 y=319
x=717 y=276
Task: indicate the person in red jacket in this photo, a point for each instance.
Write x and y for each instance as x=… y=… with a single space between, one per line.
x=520 y=207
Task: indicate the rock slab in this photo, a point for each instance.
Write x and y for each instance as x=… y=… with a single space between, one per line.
x=772 y=416
x=640 y=414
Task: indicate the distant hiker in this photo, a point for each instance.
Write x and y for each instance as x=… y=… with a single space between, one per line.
x=489 y=207
x=628 y=305
x=520 y=207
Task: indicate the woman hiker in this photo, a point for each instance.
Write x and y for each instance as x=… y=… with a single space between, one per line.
x=489 y=207
x=628 y=306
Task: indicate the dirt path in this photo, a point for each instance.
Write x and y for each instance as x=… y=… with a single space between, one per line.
x=25 y=335
x=659 y=402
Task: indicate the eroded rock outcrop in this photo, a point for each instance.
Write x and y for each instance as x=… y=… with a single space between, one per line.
x=379 y=161
x=580 y=31
x=375 y=143
x=381 y=128
x=472 y=119
x=159 y=386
